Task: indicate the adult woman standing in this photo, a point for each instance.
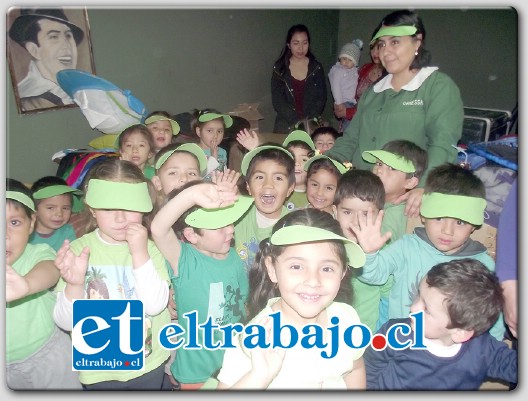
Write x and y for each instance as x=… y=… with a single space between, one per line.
x=298 y=82
x=414 y=102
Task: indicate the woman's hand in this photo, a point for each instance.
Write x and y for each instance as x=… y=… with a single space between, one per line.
x=414 y=201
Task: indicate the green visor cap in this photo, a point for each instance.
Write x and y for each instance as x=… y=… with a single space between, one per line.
x=299 y=135
x=22 y=198
x=340 y=167
x=466 y=208
x=175 y=126
x=228 y=121
x=212 y=219
x=102 y=194
x=186 y=147
x=55 y=190
x=299 y=234
x=402 y=30
x=390 y=159
x=251 y=154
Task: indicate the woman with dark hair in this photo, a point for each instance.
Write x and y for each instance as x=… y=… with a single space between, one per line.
x=298 y=82
x=413 y=102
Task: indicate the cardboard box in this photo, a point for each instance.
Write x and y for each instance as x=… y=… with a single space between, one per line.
x=248 y=111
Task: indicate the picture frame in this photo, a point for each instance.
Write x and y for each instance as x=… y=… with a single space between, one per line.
x=33 y=66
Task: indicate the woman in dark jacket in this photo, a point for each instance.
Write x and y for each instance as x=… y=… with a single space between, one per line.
x=298 y=82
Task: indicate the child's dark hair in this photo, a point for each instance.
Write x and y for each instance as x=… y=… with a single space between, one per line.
x=195 y=123
x=48 y=181
x=325 y=130
x=411 y=152
x=113 y=169
x=323 y=164
x=302 y=145
x=171 y=147
x=451 y=179
x=473 y=294
x=261 y=288
x=180 y=224
x=309 y=125
x=17 y=186
x=159 y=113
x=141 y=128
x=362 y=184
x=277 y=156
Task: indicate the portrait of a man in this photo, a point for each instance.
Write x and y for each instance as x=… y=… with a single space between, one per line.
x=43 y=42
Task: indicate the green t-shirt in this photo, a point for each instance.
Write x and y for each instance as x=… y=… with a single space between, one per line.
x=56 y=239
x=213 y=288
x=109 y=276
x=29 y=321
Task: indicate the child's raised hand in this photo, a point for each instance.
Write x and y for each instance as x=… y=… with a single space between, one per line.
x=16 y=285
x=414 y=202
x=267 y=362
x=71 y=267
x=211 y=196
x=248 y=139
x=227 y=179
x=367 y=230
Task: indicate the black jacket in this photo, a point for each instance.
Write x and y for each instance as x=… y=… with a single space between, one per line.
x=284 y=103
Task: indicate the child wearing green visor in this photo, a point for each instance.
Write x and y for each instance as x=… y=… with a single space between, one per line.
x=33 y=343
x=53 y=200
x=298 y=272
x=452 y=208
x=210 y=125
x=116 y=260
x=270 y=179
x=194 y=231
x=162 y=128
x=400 y=165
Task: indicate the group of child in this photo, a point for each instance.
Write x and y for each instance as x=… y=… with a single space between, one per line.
x=278 y=236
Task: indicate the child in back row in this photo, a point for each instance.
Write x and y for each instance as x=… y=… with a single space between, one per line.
x=53 y=200
x=357 y=191
x=162 y=129
x=452 y=208
x=38 y=355
x=269 y=178
x=324 y=138
x=461 y=299
x=116 y=260
x=135 y=144
x=194 y=231
x=298 y=272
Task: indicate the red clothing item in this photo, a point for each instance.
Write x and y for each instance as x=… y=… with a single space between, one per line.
x=298 y=95
x=364 y=82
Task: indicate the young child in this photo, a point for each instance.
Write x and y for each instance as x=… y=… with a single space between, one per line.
x=400 y=165
x=117 y=254
x=34 y=345
x=322 y=176
x=53 y=200
x=135 y=144
x=269 y=173
x=461 y=299
x=209 y=125
x=298 y=272
x=178 y=164
x=206 y=272
x=301 y=146
x=344 y=76
x=452 y=208
x=162 y=128
x=324 y=138
x=357 y=191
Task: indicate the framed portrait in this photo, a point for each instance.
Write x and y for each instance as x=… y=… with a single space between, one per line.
x=40 y=43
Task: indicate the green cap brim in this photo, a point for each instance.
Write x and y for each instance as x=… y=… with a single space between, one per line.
x=252 y=153
x=175 y=126
x=102 y=194
x=186 y=147
x=299 y=135
x=213 y=219
x=403 y=30
x=390 y=159
x=299 y=234
x=228 y=121
x=55 y=190
x=465 y=208
x=340 y=167
x=22 y=198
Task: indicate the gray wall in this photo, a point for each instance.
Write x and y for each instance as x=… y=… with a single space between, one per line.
x=177 y=60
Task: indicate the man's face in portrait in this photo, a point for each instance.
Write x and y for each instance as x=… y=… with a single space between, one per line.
x=56 y=49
